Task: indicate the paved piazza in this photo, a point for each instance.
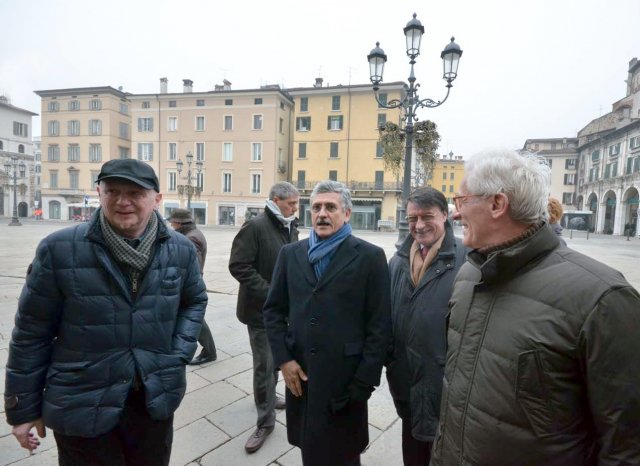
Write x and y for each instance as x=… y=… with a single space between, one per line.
x=217 y=415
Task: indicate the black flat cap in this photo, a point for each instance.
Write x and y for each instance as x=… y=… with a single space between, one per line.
x=181 y=216
x=131 y=170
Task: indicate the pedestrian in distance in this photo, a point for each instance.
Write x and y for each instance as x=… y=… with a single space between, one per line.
x=106 y=322
x=543 y=355
x=181 y=220
x=253 y=257
x=422 y=273
x=327 y=318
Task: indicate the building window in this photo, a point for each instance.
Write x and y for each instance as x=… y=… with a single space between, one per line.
x=335 y=102
x=145 y=151
x=303 y=123
x=95 y=104
x=226 y=182
x=227 y=152
x=124 y=108
x=382 y=119
x=334 y=122
x=172 y=124
x=255 y=183
x=549 y=162
x=382 y=97
x=256 y=152
x=302 y=150
x=567 y=198
x=199 y=123
x=611 y=170
x=304 y=104
x=257 y=121
x=123 y=130
x=281 y=126
x=53 y=106
x=570 y=178
x=94 y=178
x=200 y=103
x=228 y=101
x=200 y=180
x=74 y=179
x=614 y=150
x=20 y=129
x=301 y=179
x=95 y=127
x=379 y=177
x=53 y=153
x=570 y=164
x=172 y=104
x=172 y=181
x=333 y=175
x=74 y=128
x=257 y=101
x=146 y=104
x=20 y=148
x=593 y=173
x=74 y=105
x=200 y=151
x=95 y=153
x=451 y=188
x=379 y=150
x=53 y=179
x=73 y=153
x=123 y=152
x=281 y=105
x=172 y=151
x=228 y=122
x=595 y=156
x=53 y=128
x=444 y=176
x=145 y=125
x=634 y=142
x=451 y=175
x=333 y=150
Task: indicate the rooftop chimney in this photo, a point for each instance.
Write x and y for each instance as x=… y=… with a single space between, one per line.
x=187 y=85
x=163 y=85
x=318 y=82
x=226 y=84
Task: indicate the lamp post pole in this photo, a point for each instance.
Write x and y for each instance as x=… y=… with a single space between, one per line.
x=411 y=102
x=15 y=165
x=190 y=189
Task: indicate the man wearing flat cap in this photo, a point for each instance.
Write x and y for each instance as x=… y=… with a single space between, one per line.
x=182 y=221
x=107 y=319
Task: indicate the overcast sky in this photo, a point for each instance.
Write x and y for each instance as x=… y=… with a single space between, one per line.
x=541 y=68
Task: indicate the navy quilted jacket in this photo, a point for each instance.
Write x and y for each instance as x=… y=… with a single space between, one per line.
x=80 y=336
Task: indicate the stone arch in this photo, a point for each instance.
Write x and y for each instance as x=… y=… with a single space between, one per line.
x=592 y=205
x=580 y=202
x=609 y=202
x=23 y=209
x=631 y=203
x=54 y=209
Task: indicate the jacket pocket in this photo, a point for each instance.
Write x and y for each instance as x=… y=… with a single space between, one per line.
x=66 y=373
x=533 y=395
x=169 y=286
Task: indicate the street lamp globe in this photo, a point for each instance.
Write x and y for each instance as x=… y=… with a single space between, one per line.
x=179 y=165
x=189 y=158
x=377 y=59
x=450 y=60
x=413 y=33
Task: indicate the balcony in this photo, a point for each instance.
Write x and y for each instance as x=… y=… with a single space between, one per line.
x=354 y=186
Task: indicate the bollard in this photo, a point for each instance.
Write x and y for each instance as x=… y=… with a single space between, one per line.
x=570 y=234
x=587 y=233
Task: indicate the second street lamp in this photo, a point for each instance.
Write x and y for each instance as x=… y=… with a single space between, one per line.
x=188 y=188
x=411 y=102
x=22 y=168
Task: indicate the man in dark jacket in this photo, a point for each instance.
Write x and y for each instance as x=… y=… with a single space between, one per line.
x=422 y=274
x=543 y=357
x=253 y=256
x=106 y=321
x=327 y=318
x=182 y=221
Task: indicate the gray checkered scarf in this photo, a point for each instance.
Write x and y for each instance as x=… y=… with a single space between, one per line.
x=135 y=259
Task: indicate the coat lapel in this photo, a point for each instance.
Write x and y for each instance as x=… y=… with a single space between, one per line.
x=302 y=256
x=345 y=254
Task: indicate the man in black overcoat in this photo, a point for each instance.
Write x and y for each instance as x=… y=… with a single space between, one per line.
x=327 y=317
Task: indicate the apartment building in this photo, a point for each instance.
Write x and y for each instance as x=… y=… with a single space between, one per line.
x=81 y=129
x=609 y=163
x=238 y=142
x=447 y=175
x=335 y=137
x=15 y=145
x=562 y=156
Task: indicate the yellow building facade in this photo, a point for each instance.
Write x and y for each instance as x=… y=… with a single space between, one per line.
x=447 y=175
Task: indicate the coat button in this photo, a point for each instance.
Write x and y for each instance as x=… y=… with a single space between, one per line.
x=124 y=381
x=313 y=351
x=314 y=321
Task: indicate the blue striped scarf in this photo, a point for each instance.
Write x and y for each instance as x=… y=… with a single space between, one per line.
x=321 y=251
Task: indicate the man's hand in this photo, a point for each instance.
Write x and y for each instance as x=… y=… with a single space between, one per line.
x=25 y=437
x=293 y=374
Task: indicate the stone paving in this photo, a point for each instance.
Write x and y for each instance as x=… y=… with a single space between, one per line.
x=217 y=414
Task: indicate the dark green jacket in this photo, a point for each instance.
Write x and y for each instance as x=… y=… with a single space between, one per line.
x=543 y=361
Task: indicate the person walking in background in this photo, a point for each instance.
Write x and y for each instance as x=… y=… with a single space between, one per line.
x=106 y=322
x=253 y=256
x=327 y=318
x=543 y=356
x=422 y=274
x=182 y=221
x=555 y=211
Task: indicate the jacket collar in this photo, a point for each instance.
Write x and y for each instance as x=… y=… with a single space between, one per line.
x=271 y=216
x=448 y=247
x=344 y=255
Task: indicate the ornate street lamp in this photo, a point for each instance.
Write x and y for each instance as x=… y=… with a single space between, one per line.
x=20 y=166
x=190 y=190
x=411 y=102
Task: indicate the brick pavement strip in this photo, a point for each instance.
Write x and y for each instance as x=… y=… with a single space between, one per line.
x=217 y=415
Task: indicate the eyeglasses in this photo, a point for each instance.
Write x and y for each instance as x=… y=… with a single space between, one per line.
x=459 y=200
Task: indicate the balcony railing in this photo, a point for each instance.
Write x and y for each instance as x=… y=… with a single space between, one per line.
x=354 y=185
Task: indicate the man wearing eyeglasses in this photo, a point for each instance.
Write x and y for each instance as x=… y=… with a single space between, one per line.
x=543 y=357
x=422 y=274
x=327 y=319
